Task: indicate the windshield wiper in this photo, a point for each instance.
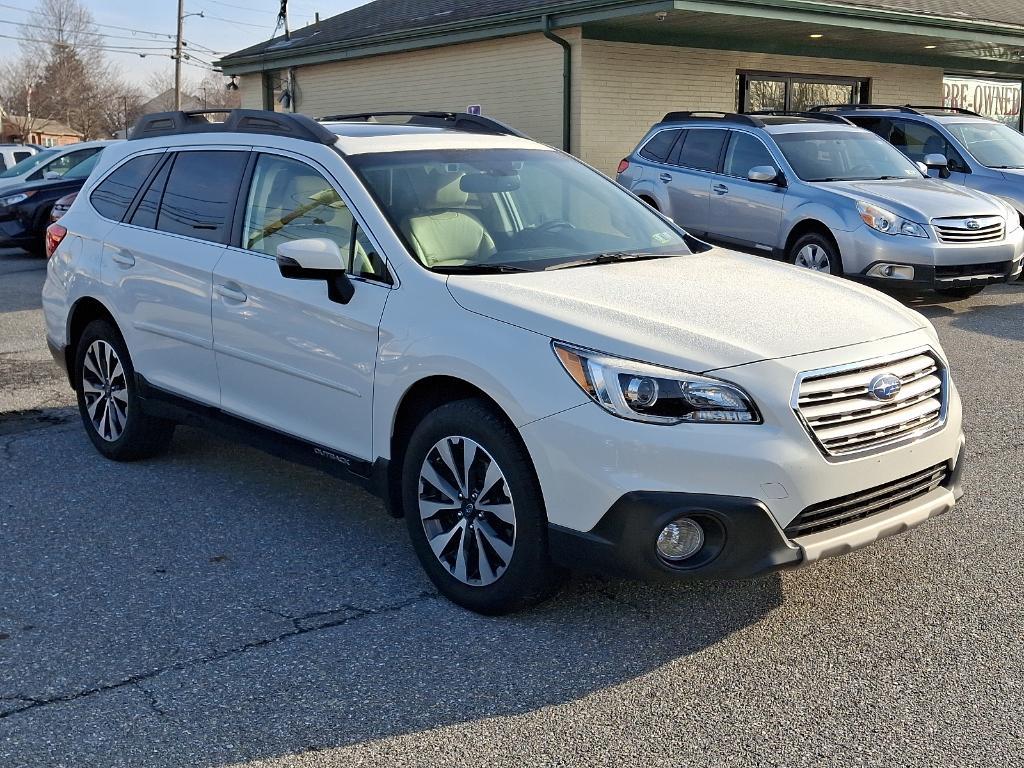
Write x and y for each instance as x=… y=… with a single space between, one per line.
x=478 y=269
x=1007 y=167
x=611 y=257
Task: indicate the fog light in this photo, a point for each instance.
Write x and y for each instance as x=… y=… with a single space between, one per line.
x=680 y=540
x=892 y=271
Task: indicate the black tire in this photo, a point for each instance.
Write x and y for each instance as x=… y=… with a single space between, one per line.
x=528 y=577
x=958 y=294
x=825 y=243
x=141 y=435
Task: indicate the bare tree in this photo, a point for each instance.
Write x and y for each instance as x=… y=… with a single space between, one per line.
x=18 y=81
x=212 y=93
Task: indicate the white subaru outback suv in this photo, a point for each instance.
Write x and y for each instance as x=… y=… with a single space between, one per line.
x=525 y=361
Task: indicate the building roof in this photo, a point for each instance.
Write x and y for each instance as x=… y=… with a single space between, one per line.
x=40 y=125
x=402 y=22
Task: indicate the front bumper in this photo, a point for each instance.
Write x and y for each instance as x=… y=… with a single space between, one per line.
x=936 y=265
x=751 y=544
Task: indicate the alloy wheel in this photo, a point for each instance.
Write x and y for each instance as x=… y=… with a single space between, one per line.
x=813 y=256
x=467 y=511
x=105 y=387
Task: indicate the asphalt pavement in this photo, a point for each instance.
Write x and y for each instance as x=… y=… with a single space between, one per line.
x=219 y=607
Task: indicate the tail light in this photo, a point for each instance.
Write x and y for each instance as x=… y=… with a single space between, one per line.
x=54 y=235
x=623 y=166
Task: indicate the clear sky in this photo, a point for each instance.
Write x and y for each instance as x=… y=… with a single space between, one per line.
x=227 y=25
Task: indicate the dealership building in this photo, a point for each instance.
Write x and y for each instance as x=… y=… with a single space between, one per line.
x=591 y=76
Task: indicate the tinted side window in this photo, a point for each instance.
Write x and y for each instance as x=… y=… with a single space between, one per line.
x=746 y=152
x=19 y=156
x=145 y=213
x=116 y=192
x=916 y=140
x=3 y=163
x=199 y=197
x=702 y=149
x=290 y=201
x=658 y=148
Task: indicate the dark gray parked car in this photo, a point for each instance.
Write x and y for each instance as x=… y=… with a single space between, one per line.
x=825 y=195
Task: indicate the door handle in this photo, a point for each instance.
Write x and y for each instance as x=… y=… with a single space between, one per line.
x=665 y=177
x=231 y=293
x=124 y=259
x=720 y=189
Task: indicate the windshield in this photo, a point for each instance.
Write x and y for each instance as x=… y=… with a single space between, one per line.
x=844 y=156
x=29 y=163
x=525 y=209
x=83 y=169
x=992 y=144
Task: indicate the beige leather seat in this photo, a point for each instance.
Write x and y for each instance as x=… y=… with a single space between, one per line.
x=442 y=232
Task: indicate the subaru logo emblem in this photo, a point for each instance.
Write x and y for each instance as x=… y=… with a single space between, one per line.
x=885 y=386
x=972 y=224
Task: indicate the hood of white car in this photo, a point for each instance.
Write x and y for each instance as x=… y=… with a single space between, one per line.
x=696 y=312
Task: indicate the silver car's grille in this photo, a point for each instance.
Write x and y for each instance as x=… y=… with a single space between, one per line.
x=973 y=229
x=843 y=416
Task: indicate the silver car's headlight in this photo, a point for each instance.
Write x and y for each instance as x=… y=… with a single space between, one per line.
x=888 y=222
x=1013 y=217
x=650 y=393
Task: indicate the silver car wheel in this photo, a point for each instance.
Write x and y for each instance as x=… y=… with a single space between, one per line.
x=467 y=511
x=813 y=256
x=105 y=388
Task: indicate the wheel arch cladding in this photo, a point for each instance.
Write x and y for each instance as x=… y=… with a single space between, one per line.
x=417 y=401
x=807 y=226
x=83 y=312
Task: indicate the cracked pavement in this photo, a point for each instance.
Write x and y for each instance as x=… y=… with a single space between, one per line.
x=220 y=607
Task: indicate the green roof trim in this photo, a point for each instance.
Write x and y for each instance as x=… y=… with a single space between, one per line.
x=478 y=23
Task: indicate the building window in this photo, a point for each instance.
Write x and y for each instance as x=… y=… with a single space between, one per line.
x=996 y=99
x=49 y=142
x=757 y=91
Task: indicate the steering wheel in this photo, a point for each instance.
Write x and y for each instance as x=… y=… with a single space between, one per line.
x=549 y=226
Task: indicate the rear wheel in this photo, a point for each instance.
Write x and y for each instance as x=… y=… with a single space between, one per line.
x=957 y=294
x=107 y=398
x=474 y=510
x=817 y=252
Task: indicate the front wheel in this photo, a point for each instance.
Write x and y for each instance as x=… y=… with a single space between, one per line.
x=817 y=252
x=107 y=398
x=474 y=510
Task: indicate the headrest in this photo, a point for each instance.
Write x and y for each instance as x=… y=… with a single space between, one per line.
x=438 y=189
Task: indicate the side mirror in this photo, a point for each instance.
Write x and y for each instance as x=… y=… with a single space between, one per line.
x=922 y=168
x=317 y=258
x=937 y=162
x=763 y=174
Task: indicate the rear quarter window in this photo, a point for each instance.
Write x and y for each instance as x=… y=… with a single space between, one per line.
x=660 y=145
x=115 y=193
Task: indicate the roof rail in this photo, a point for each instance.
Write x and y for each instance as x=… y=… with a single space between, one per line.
x=825 y=117
x=954 y=110
x=721 y=117
x=456 y=121
x=856 y=107
x=237 y=121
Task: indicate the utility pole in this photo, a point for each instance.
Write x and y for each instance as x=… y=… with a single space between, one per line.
x=177 y=55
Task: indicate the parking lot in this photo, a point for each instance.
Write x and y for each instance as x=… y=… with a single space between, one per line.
x=217 y=607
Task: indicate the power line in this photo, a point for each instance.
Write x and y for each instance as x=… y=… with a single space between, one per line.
x=121 y=48
x=233 y=21
x=97 y=24
x=89 y=34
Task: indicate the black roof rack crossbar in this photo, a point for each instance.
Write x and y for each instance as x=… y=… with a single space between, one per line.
x=825 y=117
x=954 y=110
x=456 y=121
x=855 y=107
x=237 y=121
x=721 y=117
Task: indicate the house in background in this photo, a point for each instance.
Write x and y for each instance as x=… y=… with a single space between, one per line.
x=18 y=129
x=591 y=76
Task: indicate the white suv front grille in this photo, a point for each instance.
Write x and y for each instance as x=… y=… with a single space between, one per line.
x=840 y=412
x=978 y=229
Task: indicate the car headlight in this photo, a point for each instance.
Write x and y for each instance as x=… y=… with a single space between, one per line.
x=1013 y=217
x=650 y=393
x=888 y=222
x=15 y=199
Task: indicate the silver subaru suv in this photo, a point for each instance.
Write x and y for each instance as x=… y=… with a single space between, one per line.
x=826 y=195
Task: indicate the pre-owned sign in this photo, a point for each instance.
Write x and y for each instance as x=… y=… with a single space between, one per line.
x=998 y=99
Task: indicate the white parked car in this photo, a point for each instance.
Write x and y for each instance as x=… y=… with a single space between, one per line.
x=525 y=361
x=49 y=164
x=12 y=154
